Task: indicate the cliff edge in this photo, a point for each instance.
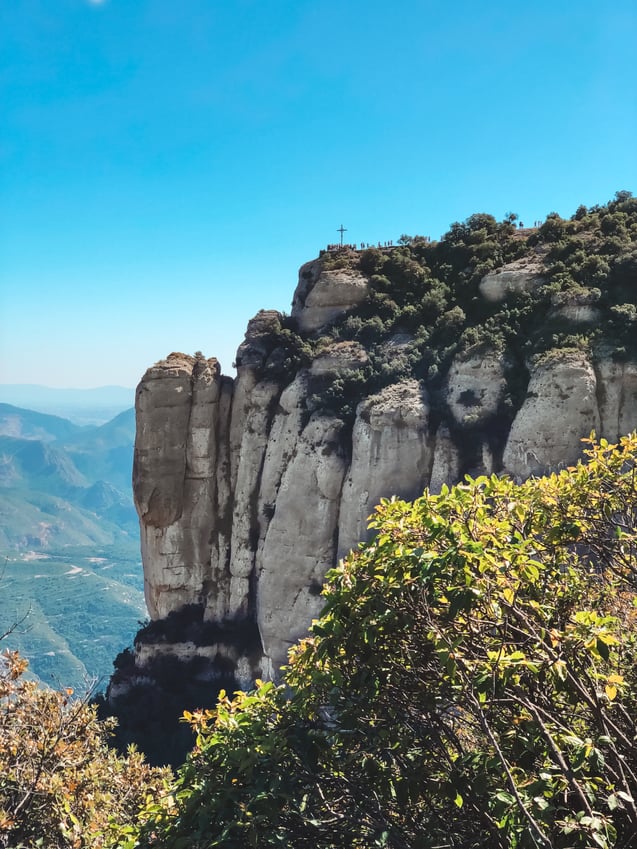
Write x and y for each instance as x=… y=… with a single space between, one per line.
x=491 y=351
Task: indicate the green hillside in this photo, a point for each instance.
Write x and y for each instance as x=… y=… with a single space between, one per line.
x=28 y=424
x=36 y=465
x=69 y=544
x=106 y=452
x=75 y=611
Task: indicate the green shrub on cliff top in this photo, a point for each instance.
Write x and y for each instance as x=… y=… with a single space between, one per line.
x=430 y=290
x=471 y=683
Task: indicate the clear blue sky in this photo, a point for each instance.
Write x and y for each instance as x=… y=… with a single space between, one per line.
x=166 y=165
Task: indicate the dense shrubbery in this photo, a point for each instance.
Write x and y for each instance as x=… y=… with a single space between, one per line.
x=471 y=683
x=60 y=783
x=429 y=290
x=149 y=710
x=188 y=624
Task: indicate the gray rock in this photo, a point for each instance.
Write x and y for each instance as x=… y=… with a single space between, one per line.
x=321 y=296
x=519 y=276
x=391 y=455
x=247 y=494
x=560 y=408
x=475 y=387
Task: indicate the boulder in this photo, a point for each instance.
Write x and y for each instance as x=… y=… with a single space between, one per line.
x=321 y=296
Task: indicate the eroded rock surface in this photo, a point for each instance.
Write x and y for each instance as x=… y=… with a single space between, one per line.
x=391 y=455
x=248 y=491
x=322 y=295
x=559 y=409
x=301 y=538
x=522 y=275
x=174 y=478
x=476 y=386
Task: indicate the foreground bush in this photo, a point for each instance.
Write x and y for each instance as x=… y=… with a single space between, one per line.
x=471 y=683
x=60 y=784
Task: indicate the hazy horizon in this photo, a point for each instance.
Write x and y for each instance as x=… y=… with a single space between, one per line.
x=65 y=388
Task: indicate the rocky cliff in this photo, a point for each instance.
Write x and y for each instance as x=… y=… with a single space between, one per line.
x=399 y=369
x=246 y=498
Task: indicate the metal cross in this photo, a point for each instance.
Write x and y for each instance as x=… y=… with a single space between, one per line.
x=342 y=230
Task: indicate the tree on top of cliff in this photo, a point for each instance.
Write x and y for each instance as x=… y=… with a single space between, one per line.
x=415 y=286
x=471 y=683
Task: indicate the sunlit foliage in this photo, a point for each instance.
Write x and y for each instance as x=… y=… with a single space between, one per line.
x=60 y=784
x=471 y=683
x=428 y=294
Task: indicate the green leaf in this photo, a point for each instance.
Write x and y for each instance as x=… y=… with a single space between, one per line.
x=602 y=648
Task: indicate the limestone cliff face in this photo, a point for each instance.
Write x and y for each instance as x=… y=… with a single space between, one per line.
x=519 y=276
x=174 y=478
x=391 y=454
x=324 y=294
x=560 y=406
x=248 y=491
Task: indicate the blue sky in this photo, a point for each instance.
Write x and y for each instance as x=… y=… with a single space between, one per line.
x=166 y=166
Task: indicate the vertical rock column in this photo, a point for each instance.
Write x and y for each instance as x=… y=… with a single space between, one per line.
x=242 y=447
x=245 y=519
x=559 y=409
x=617 y=397
x=174 y=479
x=391 y=455
x=300 y=543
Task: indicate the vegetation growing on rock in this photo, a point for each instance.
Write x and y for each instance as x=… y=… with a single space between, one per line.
x=428 y=294
x=168 y=684
x=471 y=683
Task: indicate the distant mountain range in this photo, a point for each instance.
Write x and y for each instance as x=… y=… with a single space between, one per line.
x=69 y=541
x=46 y=458
x=80 y=406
